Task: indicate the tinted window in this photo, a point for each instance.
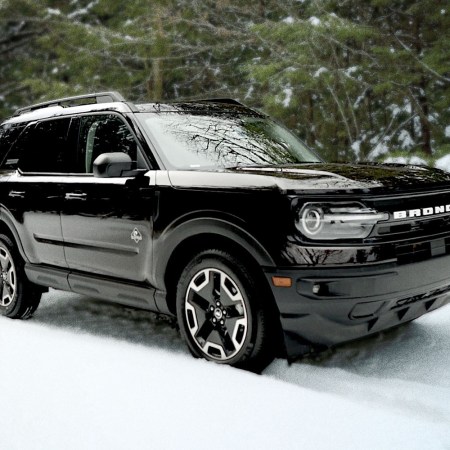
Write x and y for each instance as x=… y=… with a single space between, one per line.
x=42 y=147
x=191 y=141
x=103 y=134
x=8 y=134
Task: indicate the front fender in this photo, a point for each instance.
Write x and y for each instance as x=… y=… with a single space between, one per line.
x=172 y=237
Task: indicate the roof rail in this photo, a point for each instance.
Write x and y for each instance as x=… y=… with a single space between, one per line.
x=230 y=101
x=99 y=97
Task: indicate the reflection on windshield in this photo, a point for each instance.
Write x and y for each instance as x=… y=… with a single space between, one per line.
x=192 y=141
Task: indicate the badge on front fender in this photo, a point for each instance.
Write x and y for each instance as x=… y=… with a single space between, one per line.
x=136 y=236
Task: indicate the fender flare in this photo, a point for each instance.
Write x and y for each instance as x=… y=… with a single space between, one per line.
x=171 y=238
x=7 y=219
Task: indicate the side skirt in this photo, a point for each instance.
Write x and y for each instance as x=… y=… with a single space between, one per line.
x=114 y=290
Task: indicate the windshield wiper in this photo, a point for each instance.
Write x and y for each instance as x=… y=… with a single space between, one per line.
x=275 y=166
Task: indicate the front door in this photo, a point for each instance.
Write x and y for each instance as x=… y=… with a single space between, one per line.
x=107 y=222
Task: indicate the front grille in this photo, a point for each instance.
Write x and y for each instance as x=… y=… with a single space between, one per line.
x=413 y=252
x=430 y=217
x=413 y=239
x=420 y=251
x=417 y=227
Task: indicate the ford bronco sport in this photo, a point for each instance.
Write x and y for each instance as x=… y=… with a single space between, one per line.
x=211 y=212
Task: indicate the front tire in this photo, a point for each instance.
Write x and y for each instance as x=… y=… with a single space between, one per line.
x=19 y=298
x=222 y=312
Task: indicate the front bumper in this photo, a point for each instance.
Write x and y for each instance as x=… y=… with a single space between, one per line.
x=329 y=306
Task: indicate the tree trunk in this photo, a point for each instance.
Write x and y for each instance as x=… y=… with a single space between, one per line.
x=312 y=130
x=422 y=99
x=157 y=76
x=424 y=122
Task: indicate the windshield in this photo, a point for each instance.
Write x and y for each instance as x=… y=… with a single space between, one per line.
x=195 y=141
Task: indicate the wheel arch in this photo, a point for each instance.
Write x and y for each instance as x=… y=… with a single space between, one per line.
x=7 y=227
x=194 y=245
x=180 y=245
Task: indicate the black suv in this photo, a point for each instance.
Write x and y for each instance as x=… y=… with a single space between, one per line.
x=211 y=212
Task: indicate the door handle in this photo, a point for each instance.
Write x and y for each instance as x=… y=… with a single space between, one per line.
x=75 y=196
x=17 y=194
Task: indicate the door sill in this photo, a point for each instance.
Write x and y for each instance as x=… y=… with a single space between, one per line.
x=118 y=291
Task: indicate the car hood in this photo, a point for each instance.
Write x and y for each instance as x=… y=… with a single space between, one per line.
x=319 y=177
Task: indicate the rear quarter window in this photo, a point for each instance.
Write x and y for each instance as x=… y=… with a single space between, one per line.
x=41 y=148
x=8 y=135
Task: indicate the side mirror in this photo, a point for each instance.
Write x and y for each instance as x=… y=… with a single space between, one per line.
x=115 y=164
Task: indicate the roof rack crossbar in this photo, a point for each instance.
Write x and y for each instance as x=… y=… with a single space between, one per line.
x=99 y=97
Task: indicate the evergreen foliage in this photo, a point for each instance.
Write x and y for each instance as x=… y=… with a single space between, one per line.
x=355 y=79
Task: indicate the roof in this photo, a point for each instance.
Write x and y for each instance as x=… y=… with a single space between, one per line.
x=114 y=101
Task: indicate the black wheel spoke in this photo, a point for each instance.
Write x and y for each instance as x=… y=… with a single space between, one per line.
x=199 y=301
x=225 y=337
x=4 y=260
x=204 y=331
x=234 y=311
x=215 y=294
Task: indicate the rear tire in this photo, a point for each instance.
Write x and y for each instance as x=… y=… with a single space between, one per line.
x=223 y=313
x=19 y=298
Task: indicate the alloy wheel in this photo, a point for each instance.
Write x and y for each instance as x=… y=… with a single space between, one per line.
x=216 y=314
x=7 y=278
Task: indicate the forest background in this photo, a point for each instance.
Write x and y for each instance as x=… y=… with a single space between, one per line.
x=356 y=80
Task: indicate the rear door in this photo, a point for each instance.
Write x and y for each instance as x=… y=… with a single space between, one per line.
x=32 y=197
x=107 y=222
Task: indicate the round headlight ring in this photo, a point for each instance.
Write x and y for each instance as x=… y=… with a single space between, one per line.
x=312 y=219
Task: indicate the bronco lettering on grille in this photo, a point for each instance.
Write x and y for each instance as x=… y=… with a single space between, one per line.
x=422 y=212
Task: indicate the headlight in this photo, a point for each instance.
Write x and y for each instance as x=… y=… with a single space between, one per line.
x=331 y=221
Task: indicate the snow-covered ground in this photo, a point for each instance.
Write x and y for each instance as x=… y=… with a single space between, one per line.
x=85 y=374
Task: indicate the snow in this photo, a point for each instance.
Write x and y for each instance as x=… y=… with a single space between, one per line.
x=396 y=109
x=405 y=139
x=249 y=92
x=288 y=20
x=87 y=374
x=349 y=71
x=359 y=100
x=315 y=21
x=356 y=147
x=411 y=160
x=319 y=71
x=287 y=96
x=53 y=12
x=396 y=160
x=443 y=163
x=82 y=11
x=380 y=149
x=417 y=161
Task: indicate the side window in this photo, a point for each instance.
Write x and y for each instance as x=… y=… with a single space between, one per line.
x=42 y=147
x=103 y=134
x=8 y=134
